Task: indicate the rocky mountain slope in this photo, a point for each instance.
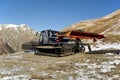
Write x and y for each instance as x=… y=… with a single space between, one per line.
x=13 y=36
x=108 y=25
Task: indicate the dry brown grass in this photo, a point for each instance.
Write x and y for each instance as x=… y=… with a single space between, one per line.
x=112 y=39
x=100 y=25
x=47 y=68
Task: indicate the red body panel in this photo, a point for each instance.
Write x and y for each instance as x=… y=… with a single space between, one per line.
x=76 y=34
x=82 y=35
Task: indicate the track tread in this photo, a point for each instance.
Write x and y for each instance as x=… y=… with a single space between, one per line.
x=103 y=52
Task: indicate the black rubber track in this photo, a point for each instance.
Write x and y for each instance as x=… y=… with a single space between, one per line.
x=54 y=55
x=104 y=51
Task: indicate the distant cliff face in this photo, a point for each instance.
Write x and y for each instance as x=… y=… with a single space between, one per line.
x=13 y=36
x=108 y=25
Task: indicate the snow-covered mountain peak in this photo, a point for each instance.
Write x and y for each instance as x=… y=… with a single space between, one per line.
x=8 y=25
x=14 y=36
x=13 y=26
x=24 y=27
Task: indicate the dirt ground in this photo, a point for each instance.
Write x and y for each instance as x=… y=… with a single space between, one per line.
x=27 y=66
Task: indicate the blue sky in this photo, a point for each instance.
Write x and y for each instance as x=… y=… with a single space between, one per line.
x=54 y=14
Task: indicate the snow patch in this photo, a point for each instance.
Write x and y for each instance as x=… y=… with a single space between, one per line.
x=115 y=33
x=24 y=27
x=114 y=30
x=4 y=71
x=104 y=66
x=18 y=77
x=16 y=69
x=62 y=72
x=13 y=26
x=14 y=57
x=10 y=25
x=61 y=62
x=43 y=73
x=0 y=28
x=109 y=54
x=106 y=46
x=115 y=62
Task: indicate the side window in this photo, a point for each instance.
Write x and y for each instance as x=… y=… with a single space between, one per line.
x=55 y=34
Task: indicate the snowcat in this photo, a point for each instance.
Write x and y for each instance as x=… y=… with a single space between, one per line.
x=61 y=43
